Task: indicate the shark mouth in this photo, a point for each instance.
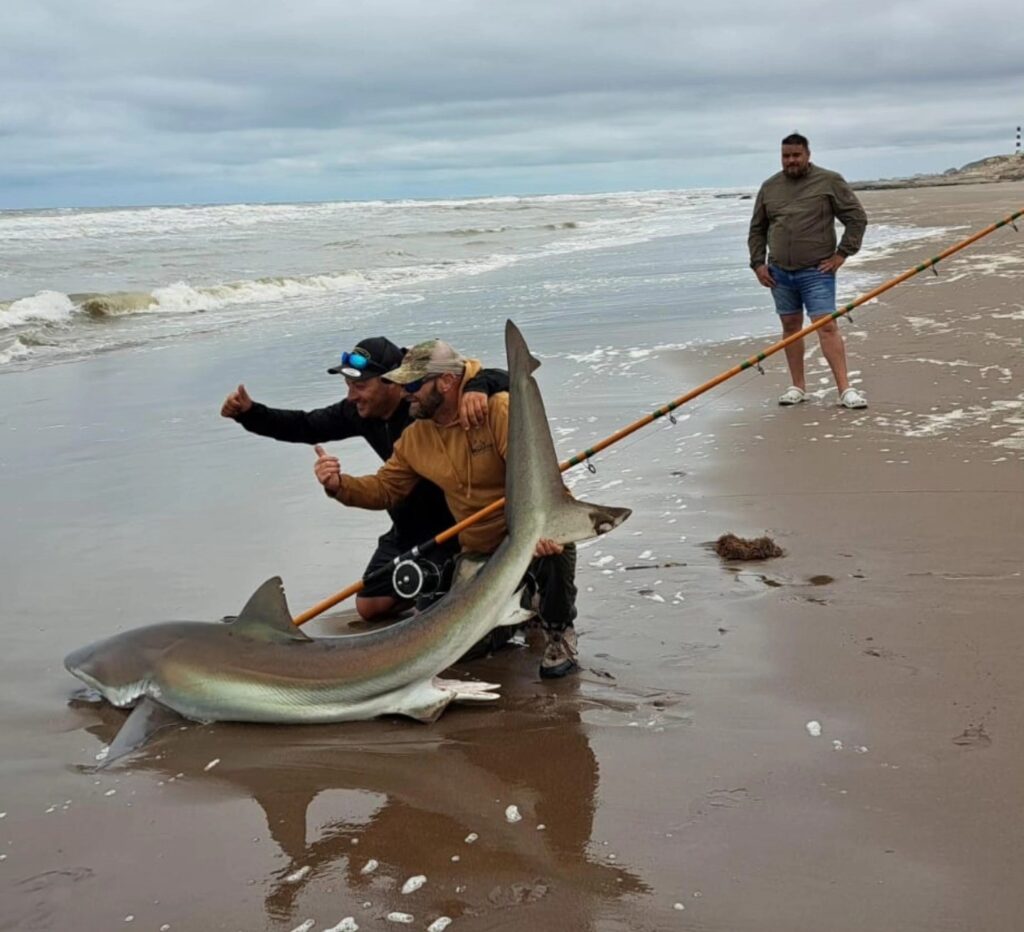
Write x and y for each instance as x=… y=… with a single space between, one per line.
x=123 y=696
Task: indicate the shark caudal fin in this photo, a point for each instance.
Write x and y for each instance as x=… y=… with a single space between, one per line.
x=538 y=503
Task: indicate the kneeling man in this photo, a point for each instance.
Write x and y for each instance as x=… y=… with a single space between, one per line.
x=469 y=467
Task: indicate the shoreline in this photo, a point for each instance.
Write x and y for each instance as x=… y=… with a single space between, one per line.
x=892 y=618
x=677 y=770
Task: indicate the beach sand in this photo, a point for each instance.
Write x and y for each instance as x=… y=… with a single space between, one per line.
x=675 y=784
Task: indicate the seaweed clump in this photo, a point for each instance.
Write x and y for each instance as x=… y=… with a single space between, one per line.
x=731 y=547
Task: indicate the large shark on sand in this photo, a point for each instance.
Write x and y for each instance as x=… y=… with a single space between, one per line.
x=262 y=668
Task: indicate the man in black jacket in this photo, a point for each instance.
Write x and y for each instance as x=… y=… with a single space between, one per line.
x=377 y=411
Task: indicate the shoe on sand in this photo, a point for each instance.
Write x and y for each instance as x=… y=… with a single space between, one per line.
x=852 y=398
x=560 y=654
x=792 y=396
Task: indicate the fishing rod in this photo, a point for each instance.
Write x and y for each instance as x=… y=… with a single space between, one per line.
x=410 y=556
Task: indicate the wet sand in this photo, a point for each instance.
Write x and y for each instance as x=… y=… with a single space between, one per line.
x=676 y=780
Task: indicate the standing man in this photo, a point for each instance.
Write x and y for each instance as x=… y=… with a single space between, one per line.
x=469 y=467
x=794 y=219
x=378 y=411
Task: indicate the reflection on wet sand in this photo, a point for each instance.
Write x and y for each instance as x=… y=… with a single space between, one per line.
x=410 y=797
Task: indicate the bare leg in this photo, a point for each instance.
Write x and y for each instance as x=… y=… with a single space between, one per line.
x=835 y=352
x=791 y=323
x=376 y=607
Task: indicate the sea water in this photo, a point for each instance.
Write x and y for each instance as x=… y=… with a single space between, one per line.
x=78 y=282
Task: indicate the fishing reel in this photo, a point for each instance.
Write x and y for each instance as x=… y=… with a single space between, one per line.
x=412 y=579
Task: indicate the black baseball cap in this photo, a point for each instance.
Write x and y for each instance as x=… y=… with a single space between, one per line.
x=369 y=359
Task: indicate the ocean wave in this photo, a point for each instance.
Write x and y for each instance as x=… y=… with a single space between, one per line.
x=44 y=307
x=114 y=304
x=54 y=307
x=884 y=239
x=15 y=350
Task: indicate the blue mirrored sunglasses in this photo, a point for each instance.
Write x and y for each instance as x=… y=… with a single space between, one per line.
x=355 y=360
x=353 y=364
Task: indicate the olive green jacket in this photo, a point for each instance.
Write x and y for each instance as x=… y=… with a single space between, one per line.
x=794 y=219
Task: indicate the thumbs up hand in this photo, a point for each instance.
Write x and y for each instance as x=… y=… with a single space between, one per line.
x=236 y=404
x=327 y=471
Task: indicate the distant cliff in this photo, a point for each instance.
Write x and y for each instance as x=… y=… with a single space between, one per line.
x=985 y=171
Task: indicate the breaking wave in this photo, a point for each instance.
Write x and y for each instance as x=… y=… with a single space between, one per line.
x=180 y=298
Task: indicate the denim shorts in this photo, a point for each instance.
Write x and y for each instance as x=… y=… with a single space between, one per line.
x=804 y=289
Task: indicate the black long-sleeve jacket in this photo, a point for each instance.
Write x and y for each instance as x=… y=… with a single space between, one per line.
x=422 y=515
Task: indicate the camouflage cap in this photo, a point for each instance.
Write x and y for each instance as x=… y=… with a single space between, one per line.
x=433 y=357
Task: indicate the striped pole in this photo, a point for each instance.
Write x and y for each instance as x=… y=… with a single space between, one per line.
x=585 y=456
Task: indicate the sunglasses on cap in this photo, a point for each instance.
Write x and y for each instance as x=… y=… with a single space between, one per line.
x=356 y=363
x=412 y=387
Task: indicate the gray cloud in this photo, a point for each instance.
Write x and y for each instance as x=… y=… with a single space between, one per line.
x=118 y=102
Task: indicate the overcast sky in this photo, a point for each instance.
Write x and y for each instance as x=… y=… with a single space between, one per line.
x=197 y=101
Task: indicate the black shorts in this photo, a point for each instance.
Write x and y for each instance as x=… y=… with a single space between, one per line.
x=388 y=547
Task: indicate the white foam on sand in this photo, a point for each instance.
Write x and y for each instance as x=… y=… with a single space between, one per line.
x=982 y=266
x=928 y=324
x=996 y=413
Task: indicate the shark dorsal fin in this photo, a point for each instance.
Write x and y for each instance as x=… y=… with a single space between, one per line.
x=266 y=616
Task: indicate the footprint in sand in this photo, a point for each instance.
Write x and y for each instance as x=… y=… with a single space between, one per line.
x=974 y=736
x=718 y=799
x=727 y=799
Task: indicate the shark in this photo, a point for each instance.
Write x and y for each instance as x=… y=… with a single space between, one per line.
x=261 y=667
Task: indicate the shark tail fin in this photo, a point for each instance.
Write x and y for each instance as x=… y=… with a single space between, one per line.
x=573 y=520
x=537 y=479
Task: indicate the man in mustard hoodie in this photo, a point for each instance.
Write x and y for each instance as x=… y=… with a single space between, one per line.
x=469 y=467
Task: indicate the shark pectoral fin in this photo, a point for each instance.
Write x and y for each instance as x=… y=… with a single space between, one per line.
x=426 y=704
x=266 y=616
x=426 y=701
x=146 y=719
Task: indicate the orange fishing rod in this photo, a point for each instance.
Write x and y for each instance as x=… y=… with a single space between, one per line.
x=357 y=586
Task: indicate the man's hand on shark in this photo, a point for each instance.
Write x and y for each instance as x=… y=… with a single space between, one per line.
x=262 y=668
x=546 y=547
x=327 y=470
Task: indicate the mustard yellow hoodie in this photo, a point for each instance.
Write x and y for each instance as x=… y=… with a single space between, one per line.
x=468 y=466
